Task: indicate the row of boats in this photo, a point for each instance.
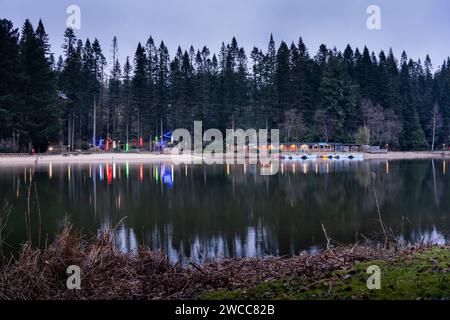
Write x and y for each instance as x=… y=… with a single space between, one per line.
x=326 y=156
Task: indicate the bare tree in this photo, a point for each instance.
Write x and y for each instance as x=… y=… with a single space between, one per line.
x=435 y=124
x=362 y=136
x=293 y=124
x=373 y=117
x=325 y=127
x=391 y=129
x=380 y=126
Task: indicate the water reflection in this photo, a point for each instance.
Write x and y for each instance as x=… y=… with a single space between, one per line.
x=231 y=210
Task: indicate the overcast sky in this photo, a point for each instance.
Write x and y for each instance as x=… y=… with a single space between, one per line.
x=417 y=26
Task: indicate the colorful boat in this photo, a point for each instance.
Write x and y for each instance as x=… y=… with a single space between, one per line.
x=355 y=156
x=327 y=156
x=340 y=156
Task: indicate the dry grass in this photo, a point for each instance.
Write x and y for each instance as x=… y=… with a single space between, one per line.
x=108 y=273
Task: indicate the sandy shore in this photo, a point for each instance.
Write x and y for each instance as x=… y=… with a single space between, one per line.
x=6 y=159
x=408 y=155
x=97 y=157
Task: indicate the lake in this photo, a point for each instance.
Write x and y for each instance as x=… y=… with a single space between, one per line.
x=203 y=212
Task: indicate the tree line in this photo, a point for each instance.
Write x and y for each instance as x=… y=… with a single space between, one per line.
x=352 y=96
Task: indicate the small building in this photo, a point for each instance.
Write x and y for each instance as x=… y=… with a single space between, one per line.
x=373 y=149
x=62 y=97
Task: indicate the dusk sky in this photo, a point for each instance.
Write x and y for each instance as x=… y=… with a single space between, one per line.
x=417 y=26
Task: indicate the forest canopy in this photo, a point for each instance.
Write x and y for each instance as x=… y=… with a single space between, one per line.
x=354 y=95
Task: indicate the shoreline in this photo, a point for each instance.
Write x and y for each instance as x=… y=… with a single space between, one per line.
x=15 y=159
x=408 y=155
x=94 y=158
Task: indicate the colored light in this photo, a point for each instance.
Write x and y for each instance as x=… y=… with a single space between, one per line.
x=109 y=173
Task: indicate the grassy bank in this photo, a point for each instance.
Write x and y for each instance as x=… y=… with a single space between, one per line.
x=107 y=273
x=411 y=274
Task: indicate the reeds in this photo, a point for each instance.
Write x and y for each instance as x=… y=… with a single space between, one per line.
x=5 y=210
x=108 y=273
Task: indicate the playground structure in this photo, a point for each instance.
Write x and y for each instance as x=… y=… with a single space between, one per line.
x=153 y=144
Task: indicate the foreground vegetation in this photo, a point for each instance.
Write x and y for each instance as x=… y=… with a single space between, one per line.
x=107 y=273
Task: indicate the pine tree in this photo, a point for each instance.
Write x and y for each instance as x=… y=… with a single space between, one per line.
x=100 y=86
x=89 y=88
x=256 y=87
x=269 y=92
x=139 y=89
x=241 y=110
x=364 y=72
x=114 y=88
x=442 y=95
x=38 y=90
x=413 y=136
x=301 y=78
x=71 y=80
x=163 y=107
x=283 y=81
x=9 y=80
x=126 y=98
x=382 y=95
x=318 y=67
x=150 y=111
x=339 y=100
x=392 y=81
x=349 y=60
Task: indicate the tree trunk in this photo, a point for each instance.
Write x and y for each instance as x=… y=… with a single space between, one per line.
x=94 y=125
x=60 y=133
x=434 y=127
x=69 y=132
x=73 y=132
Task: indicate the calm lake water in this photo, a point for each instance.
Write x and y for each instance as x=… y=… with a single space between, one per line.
x=203 y=212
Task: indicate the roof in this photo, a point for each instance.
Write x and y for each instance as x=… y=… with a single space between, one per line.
x=62 y=95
